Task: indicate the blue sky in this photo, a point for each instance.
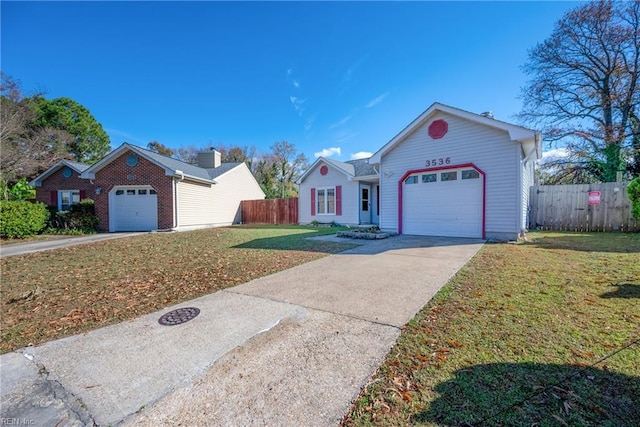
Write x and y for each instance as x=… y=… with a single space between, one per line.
x=340 y=77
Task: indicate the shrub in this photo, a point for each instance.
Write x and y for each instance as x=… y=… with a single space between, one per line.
x=80 y=218
x=633 y=190
x=19 y=219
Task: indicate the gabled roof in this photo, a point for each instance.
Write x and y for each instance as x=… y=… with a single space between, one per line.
x=524 y=136
x=352 y=168
x=171 y=166
x=222 y=169
x=78 y=167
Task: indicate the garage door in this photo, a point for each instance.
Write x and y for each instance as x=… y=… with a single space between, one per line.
x=133 y=209
x=443 y=203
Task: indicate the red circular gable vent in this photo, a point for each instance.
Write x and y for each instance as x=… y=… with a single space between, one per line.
x=324 y=170
x=438 y=129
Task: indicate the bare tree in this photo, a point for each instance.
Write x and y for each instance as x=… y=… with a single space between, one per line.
x=27 y=150
x=583 y=87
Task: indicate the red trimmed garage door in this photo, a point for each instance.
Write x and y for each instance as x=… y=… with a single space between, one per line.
x=133 y=209
x=443 y=203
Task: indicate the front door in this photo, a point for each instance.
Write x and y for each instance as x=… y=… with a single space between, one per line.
x=365 y=204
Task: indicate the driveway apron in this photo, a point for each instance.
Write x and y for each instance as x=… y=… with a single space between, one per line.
x=292 y=348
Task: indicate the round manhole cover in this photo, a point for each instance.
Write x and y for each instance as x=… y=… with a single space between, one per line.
x=179 y=316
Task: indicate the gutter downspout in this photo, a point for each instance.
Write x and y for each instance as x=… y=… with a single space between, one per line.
x=175 y=195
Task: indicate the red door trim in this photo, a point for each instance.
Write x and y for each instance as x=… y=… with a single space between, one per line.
x=464 y=165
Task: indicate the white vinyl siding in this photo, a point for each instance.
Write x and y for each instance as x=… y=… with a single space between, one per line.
x=350 y=197
x=201 y=204
x=488 y=148
x=527 y=182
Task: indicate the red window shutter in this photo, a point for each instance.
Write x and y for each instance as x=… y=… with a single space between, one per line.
x=83 y=194
x=313 y=202
x=338 y=199
x=54 y=198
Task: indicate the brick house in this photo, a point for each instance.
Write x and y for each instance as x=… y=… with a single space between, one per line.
x=60 y=186
x=139 y=190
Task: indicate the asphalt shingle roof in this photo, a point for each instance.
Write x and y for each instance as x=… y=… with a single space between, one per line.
x=80 y=167
x=362 y=167
x=178 y=165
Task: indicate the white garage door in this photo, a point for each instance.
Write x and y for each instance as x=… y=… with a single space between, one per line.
x=443 y=203
x=133 y=209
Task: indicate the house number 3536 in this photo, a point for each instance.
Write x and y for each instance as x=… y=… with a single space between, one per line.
x=438 y=162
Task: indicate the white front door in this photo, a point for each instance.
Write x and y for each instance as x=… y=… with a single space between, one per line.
x=365 y=204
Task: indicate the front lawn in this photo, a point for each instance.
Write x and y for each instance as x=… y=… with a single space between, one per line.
x=540 y=333
x=55 y=293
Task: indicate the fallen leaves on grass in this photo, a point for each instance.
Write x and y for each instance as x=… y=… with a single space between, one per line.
x=515 y=320
x=52 y=294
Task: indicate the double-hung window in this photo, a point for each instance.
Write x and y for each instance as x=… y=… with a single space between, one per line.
x=326 y=201
x=66 y=198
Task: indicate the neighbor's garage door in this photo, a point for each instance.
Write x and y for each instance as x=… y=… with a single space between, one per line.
x=133 y=209
x=443 y=203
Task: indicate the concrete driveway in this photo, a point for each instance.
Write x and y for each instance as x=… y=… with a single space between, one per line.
x=294 y=348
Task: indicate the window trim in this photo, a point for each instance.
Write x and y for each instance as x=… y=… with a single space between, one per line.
x=71 y=202
x=325 y=200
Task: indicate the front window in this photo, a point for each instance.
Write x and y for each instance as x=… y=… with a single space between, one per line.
x=66 y=198
x=326 y=201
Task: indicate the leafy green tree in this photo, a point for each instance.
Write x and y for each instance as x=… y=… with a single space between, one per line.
x=583 y=90
x=633 y=190
x=90 y=142
x=265 y=173
x=21 y=190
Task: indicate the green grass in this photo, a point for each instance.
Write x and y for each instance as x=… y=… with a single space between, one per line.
x=539 y=333
x=56 y=293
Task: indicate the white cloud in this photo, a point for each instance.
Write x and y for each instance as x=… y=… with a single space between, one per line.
x=297 y=103
x=341 y=122
x=328 y=152
x=361 y=155
x=309 y=122
x=296 y=84
x=345 y=137
x=376 y=101
x=555 y=154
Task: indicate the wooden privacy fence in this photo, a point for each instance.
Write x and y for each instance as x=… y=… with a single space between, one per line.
x=584 y=207
x=270 y=211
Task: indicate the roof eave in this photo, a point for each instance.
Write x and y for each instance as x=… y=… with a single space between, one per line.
x=516 y=133
x=37 y=181
x=313 y=166
x=366 y=177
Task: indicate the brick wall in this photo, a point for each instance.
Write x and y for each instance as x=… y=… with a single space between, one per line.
x=117 y=172
x=57 y=181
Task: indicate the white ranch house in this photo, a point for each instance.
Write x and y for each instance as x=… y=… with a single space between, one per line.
x=448 y=173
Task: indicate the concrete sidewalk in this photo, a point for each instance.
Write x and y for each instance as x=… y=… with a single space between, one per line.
x=293 y=348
